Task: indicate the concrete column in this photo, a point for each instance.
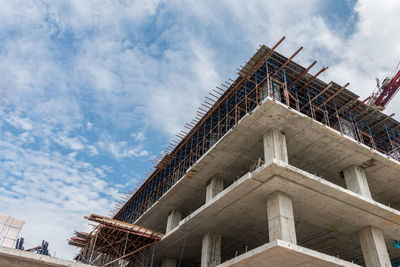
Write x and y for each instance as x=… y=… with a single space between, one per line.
x=174 y=217
x=275 y=146
x=214 y=187
x=211 y=250
x=168 y=262
x=374 y=248
x=356 y=181
x=281 y=218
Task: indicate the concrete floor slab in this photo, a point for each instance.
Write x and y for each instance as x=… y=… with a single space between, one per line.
x=280 y=253
x=10 y=257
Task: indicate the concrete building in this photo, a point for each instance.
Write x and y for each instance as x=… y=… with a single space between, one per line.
x=282 y=170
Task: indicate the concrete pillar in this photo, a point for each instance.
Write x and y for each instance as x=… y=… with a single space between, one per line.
x=174 y=217
x=275 y=146
x=168 y=262
x=374 y=248
x=211 y=250
x=281 y=218
x=214 y=187
x=356 y=181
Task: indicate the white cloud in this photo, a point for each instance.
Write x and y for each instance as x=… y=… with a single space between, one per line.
x=89 y=126
x=51 y=192
x=73 y=143
x=138 y=136
x=18 y=122
x=121 y=150
x=92 y=150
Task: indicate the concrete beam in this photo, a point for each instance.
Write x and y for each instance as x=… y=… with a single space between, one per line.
x=281 y=218
x=174 y=217
x=374 y=248
x=275 y=146
x=214 y=187
x=168 y=262
x=211 y=250
x=356 y=181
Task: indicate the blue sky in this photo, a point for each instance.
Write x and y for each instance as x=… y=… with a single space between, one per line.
x=91 y=91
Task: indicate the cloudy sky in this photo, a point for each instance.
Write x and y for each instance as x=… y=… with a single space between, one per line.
x=90 y=91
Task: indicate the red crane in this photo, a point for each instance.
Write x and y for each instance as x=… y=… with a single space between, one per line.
x=385 y=90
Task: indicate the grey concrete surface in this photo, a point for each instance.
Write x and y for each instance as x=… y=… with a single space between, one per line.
x=275 y=146
x=174 y=217
x=356 y=181
x=214 y=187
x=374 y=247
x=211 y=250
x=279 y=253
x=281 y=218
x=10 y=257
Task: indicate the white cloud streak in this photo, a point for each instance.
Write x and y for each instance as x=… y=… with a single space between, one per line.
x=51 y=192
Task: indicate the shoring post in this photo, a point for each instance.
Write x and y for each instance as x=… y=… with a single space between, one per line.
x=360 y=139
x=372 y=137
x=219 y=121
x=394 y=134
x=236 y=107
x=297 y=97
x=93 y=246
x=326 y=111
x=211 y=123
x=309 y=101
x=285 y=89
x=390 y=139
x=245 y=96
x=268 y=81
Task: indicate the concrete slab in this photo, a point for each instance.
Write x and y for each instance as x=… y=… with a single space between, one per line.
x=10 y=257
x=280 y=253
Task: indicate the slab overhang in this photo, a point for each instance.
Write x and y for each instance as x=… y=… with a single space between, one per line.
x=279 y=253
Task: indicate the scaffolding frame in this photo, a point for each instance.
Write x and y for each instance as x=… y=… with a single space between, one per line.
x=267 y=74
x=115 y=243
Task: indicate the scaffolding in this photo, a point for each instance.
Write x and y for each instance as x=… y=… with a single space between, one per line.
x=268 y=74
x=115 y=243
x=10 y=228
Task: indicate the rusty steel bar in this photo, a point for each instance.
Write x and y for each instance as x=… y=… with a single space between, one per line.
x=304 y=72
x=286 y=62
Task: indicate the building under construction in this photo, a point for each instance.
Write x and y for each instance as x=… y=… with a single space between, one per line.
x=279 y=168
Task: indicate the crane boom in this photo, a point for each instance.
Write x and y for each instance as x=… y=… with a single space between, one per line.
x=388 y=91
